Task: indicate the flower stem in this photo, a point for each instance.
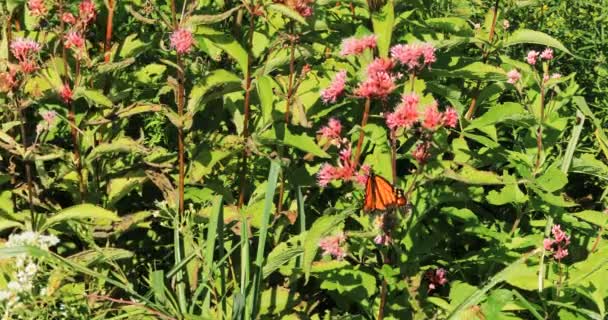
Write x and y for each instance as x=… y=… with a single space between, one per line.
x=486 y=53
x=539 y=133
x=28 y=168
x=180 y=112
x=368 y=103
x=247 y=115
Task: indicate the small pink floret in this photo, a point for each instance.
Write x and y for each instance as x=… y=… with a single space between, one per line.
x=182 y=40
x=355 y=46
x=335 y=89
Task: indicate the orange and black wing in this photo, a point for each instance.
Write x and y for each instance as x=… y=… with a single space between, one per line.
x=379 y=194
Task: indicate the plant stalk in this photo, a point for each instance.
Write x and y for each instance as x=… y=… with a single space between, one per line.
x=471 y=111
x=368 y=103
x=180 y=112
x=247 y=114
x=539 y=133
x=28 y=168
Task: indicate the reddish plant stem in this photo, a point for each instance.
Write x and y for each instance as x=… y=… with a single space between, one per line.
x=539 y=133
x=383 y=291
x=28 y=168
x=597 y=239
x=71 y=108
x=471 y=110
x=247 y=115
x=180 y=112
x=107 y=44
x=290 y=93
x=368 y=103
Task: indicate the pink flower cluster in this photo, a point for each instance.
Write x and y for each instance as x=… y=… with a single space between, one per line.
x=303 y=7
x=513 y=76
x=437 y=278
x=558 y=244
x=332 y=131
x=86 y=10
x=406 y=115
x=73 y=39
x=380 y=80
x=533 y=55
x=334 y=245
x=345 y=170
x=422 y=152
x=66 y=93
x=335 y=89
x=37 y=8
x=182 y=40
x=25 y=51
x=355 y=46
x=415 y=56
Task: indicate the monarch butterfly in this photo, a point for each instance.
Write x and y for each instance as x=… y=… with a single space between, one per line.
x=381 y=195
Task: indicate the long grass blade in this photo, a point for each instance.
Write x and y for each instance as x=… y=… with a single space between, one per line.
x=275 y=168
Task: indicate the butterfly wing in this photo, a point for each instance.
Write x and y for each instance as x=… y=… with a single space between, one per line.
x=379 y=194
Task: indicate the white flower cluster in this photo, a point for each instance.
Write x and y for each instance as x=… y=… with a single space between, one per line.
x=26 y=267
x=30 y=238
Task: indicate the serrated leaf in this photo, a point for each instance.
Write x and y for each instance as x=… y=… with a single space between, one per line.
x=475 y=71
x=552 y=180
x=594 y=217
x=266 y=96
x=119 y=187
x=536 y=37
x=470 y=175
x=510 y=193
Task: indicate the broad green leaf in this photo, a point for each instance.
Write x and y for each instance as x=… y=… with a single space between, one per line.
x=95 y=97
x=498 y=113
x=120 y=145
x=264 y=88
x=89 y=257
x=199 y=19
x=383 y=21
x=470 y=175
x=279 y=256
x=464 y=214
x=151 y=73
x=215 y=82
x=454 y=25
x=555 y=200
x=552 y=180
x=536 y=37
x=81 y=212
x=322 y=227
x=594 y=217
x=510 y=193
x=119 y=187
x=9 y=224
x=475 y=71
x=349 y=283
x=225 y=42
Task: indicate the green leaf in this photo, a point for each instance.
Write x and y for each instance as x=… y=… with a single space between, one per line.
x=279 y=256
x=198 y=19
x=383 y=21
x=555 y=200
x=454 y=25
x=81 y=212
x=470 y=175
x=475 y=71
x=89 y=257
x=287 y=12
x=218 y=80
x=120 y=145
x=266 y=96
x=594 y=217
x=119 y=187
x=151 y=73
x=498 y=113
x=530 y=36
x=552 y=180
x=322 y=227
x=9 y=224
x=509 y=272
x=463 y=214
x=92 y=96
x=225 y=42
x=510 y=193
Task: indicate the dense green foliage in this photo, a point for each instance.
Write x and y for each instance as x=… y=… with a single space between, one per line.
x=204 y=160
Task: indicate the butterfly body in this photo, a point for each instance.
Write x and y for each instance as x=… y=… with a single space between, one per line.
x=380 y=195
